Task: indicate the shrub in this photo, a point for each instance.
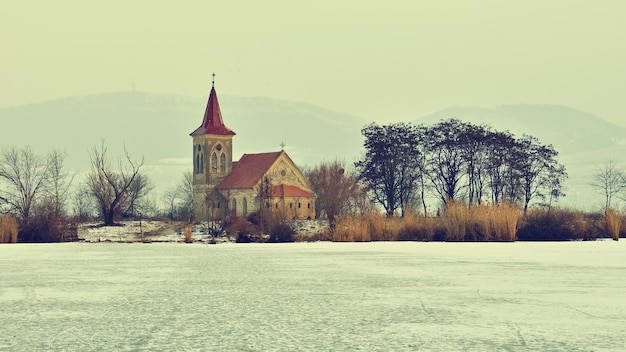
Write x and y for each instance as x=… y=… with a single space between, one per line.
x=8 y=229
x=242 y=230
x=281 y=232
x=46 y=224
x=550 y=225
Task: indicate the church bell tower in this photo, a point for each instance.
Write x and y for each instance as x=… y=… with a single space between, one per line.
x=212 y=160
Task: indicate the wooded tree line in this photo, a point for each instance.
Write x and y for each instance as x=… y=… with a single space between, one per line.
x=456 y=161
x=402 y=167
x=36 y=190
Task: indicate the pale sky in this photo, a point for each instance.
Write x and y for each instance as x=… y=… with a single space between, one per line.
x=381 y=60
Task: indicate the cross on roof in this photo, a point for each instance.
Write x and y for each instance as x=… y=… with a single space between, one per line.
x=282 y=145
x=213 y=81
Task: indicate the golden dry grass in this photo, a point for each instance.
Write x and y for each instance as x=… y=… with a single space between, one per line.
x=456 y=219
x=8 y=229
x=352 y=229
x=187 y=235
x=613 y=223
x=580 y=223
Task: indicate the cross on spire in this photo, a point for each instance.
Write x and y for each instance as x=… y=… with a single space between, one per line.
x=213 y=81
x=282 y=146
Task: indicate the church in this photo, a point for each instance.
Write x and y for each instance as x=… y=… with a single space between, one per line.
x=224 y=188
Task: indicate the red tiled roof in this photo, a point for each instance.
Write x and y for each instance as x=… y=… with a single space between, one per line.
x=247 y=172
x=286 y=191
x=212 y=122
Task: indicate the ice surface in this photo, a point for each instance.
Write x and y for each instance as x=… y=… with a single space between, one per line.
x=385 y=296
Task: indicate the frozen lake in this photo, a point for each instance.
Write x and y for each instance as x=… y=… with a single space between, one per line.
x=568 y=296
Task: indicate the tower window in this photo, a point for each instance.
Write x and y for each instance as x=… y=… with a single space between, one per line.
x=199 y=164
x=214 y=162
x=223 y=163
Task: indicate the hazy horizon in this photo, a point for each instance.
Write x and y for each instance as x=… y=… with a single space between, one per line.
x=391 y=63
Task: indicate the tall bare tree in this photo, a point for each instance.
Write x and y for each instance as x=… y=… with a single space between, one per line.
x=390 y=167
x=334 y=187
x=113 y=188
x=610 y=180
x=447 y=161
x=185 y=191
x=60 y=182
x=82 y=202
x=25 y=175
x=179 y=198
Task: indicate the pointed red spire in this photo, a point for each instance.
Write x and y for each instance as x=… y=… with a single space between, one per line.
x=213 y=123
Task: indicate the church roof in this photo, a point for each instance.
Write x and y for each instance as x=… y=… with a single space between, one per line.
x=212 y=122
x=247 y=172
x=286 y=191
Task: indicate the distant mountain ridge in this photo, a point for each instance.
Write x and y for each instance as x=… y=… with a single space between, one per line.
x=569 y=130
x=157 y=126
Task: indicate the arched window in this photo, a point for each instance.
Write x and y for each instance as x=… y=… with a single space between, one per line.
x=223 y=163
x=245 y=206
x=201 y=170
x=233 y=206
x=214 y=162
x=196 y=164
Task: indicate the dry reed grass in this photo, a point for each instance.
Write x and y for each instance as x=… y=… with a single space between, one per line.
x=416 y=228
x=455 y=220
x=8 y=229
x=613 y=223
x=481 y=222
x=580 y=224
x=352 y=228
x=187 y=234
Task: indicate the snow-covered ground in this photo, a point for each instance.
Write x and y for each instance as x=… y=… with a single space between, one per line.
x=164 y=231
x=385 y=296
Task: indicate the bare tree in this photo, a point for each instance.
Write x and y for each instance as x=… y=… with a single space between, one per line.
x=179 y=198
x=25 y=175
x=264 y=194
x=137 y=204
x=334 y=187
x=171 y=197
x=60 y=182
x=610 y=180
x=185 y=190
x=538 y=169
x=391 y=165
x=112 y=189
x=82 y=202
